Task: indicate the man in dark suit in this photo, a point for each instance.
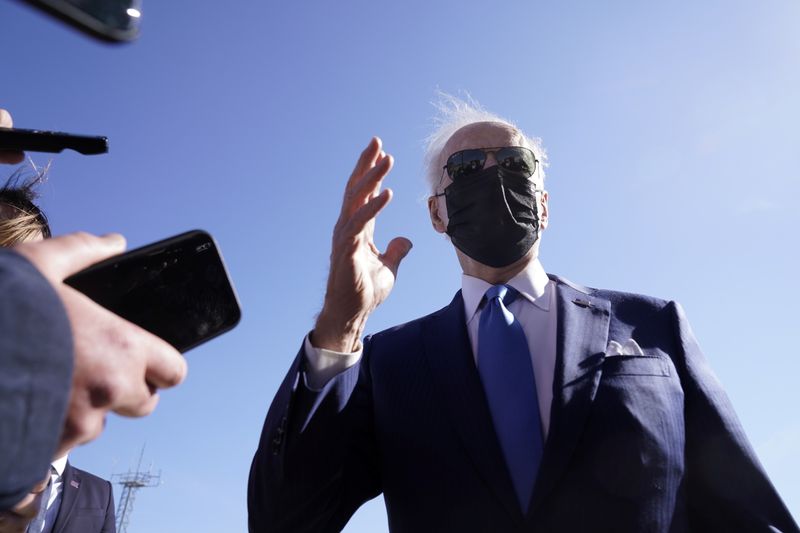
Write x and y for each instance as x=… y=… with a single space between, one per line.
x=75 y=501
x=87 y=504
x=528 y=403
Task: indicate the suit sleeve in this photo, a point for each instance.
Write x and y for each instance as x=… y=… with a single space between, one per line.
x=110 y=526
x=35 y=375
x=728 y=489
x=316 y=461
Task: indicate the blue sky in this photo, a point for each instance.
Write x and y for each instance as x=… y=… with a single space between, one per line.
x=672 y=135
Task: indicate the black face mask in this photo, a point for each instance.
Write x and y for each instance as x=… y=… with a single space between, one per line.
x=493 y=215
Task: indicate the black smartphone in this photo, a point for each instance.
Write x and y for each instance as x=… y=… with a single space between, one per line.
x=178 y=289
x=15 y=139
x=108 y=20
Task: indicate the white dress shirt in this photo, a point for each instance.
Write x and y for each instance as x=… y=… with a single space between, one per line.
x=535 y=310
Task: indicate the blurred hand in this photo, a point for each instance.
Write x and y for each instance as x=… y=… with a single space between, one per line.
x=5 y=156
x=16 y=519
x=118 y=365
x=361 y=277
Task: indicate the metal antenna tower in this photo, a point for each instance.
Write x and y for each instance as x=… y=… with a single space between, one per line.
x=131 y=482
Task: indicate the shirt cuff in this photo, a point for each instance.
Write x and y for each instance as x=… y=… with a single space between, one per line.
x=323 y=365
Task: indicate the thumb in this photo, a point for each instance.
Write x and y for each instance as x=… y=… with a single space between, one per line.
x=397 y=250
x=5 y=119
x=60 y=257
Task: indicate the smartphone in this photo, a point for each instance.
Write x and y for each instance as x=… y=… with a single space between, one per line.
x=108 y=20
x=178 y=289
x=15 y=139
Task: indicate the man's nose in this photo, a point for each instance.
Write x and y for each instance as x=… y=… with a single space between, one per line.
x=491 y=160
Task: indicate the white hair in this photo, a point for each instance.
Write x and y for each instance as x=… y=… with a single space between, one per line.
x=452 y=114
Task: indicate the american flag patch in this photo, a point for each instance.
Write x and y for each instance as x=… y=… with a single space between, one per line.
x=74 y=483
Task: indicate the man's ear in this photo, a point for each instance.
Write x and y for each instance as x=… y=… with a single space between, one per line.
x=543 y=212
x=436 y=219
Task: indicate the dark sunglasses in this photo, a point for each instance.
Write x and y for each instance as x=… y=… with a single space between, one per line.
x=466 y=162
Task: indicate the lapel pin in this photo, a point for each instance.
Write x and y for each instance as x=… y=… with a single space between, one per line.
x=582 y=303
x=74 y=484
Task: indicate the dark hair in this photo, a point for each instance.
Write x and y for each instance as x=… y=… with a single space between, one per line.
x=19 y=193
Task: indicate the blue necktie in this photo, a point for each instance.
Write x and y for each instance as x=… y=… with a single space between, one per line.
x=504 y=364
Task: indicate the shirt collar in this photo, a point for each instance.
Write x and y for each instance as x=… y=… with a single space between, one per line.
x=532 y=283
x=59 y=465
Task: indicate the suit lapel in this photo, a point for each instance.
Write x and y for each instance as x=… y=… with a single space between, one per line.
x=69 y=495
x=581 y=340
x=449 y=355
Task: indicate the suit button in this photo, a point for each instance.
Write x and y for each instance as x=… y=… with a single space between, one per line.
x=277 y=440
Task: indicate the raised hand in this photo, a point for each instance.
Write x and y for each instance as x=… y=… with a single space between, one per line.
x=360 y=277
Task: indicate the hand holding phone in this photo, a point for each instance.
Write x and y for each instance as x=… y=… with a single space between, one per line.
x=117 y=366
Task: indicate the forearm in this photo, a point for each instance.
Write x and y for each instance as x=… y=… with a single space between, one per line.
x=316 y=462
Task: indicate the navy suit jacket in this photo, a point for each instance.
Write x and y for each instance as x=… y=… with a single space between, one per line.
x=636 y=443
x=87 y=504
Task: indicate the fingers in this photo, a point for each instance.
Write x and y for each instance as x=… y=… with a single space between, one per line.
x=83 y=424
x=366 y=160
x=146 y=403
x=369 y=185
x=165 y=366
x=367 y=213
x=59 y=257
x=118 y=367
x=14 y=522
x=364 y=183
x=6 y=156
x=123 y=364
x=11 y=158
x=396 y=251
x=16 y=519
x=28 y=508
x=367 y=188
x=5 y=119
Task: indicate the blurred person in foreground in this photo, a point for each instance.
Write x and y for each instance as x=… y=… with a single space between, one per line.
x=528 y=404
x=74 y=501
x=65 y=362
